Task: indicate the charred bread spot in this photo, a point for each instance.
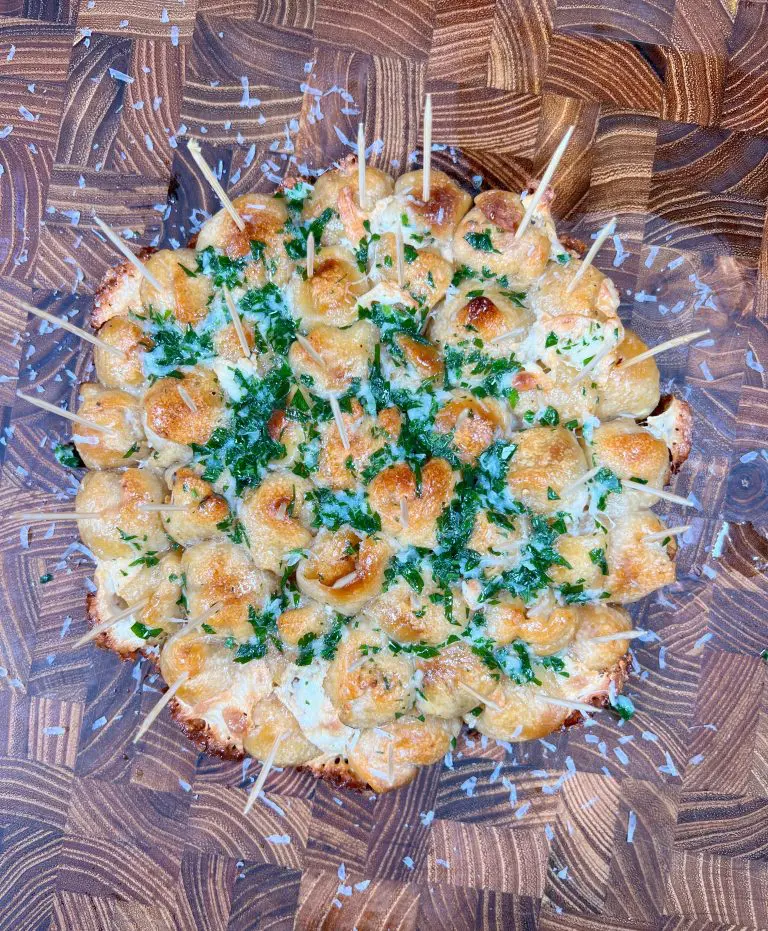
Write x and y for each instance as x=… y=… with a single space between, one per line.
x=576 y=246
x=501 y=210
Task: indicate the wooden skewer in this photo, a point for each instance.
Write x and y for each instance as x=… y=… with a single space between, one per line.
x=195 y=622
x=118 y=243
x=619 y=635
x=662 y=347
x=567 y=703
x=345 y=579
x=205 y=169
x=71 y=328
x=669 y=532
x=479 y=697
x=186 y=397
x=404 y=511
x=544 y=183
x=266 y=766
x=310 y=349
x=310 y=254
x=161 y=508
x=400 y=256
x=658 y=492
x=588 y=369
x=358 y=663
x=508 y=335
x=94 y=632
x=334 y=402
x=153 y=714
x=237 y=323
x=41 y=516
x=426 y=180
x=581 y=480
x=605 y=232
x=361 y=165
x=67 y=415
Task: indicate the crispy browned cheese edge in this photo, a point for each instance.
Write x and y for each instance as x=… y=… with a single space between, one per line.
x=110 y=284
x=680 y=444
x=335 y=771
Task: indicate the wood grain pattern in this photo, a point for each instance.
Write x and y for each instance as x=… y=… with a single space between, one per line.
x=659 y=823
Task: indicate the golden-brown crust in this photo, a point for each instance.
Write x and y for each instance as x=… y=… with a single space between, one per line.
x=202 y=736
x=106 y=639
x=334 y=770
x=337 y=772
x=117 y=286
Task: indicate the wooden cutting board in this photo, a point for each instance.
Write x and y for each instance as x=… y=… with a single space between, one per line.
x=655 y=824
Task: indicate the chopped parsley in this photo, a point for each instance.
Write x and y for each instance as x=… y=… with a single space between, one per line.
x=145 y=633
x=481 y=242
x=68 y=456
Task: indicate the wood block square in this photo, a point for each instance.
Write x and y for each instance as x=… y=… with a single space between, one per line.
x=216 y=824
x=451 y=908
x=146 y=19
x=330 y=115
x=747 y=487
x=697 y=221
x=95 y=93
x=519 y=45
x=643 y=69
x=44 y=11
x=264 y=896
x=87 y=866
x=722 y=824
x=642 y=842
x=34 y=51
x=486 y=857
x=399 y=844
x=24 y=178
x=110 y=720
x=34 y=793
x=571 y=180
x=226 y=49
x=204 y=893
x=402 y=28
x=29 y=860
x=380 y=904
x=119 y=812
x=54 y=731
x=737 y=620
x=460 y=37
x=340 y=830
x=84 y=912
x=12 y=325
x=485 y=118
x=149 y=120
x=693 y=87
x=716 y=888
x=708 y=159
x=734 y=714
x=703 y=26
x=641 y=21
x=219 y=115
x=622 y=160
x=486 y=792
x=582 y=848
